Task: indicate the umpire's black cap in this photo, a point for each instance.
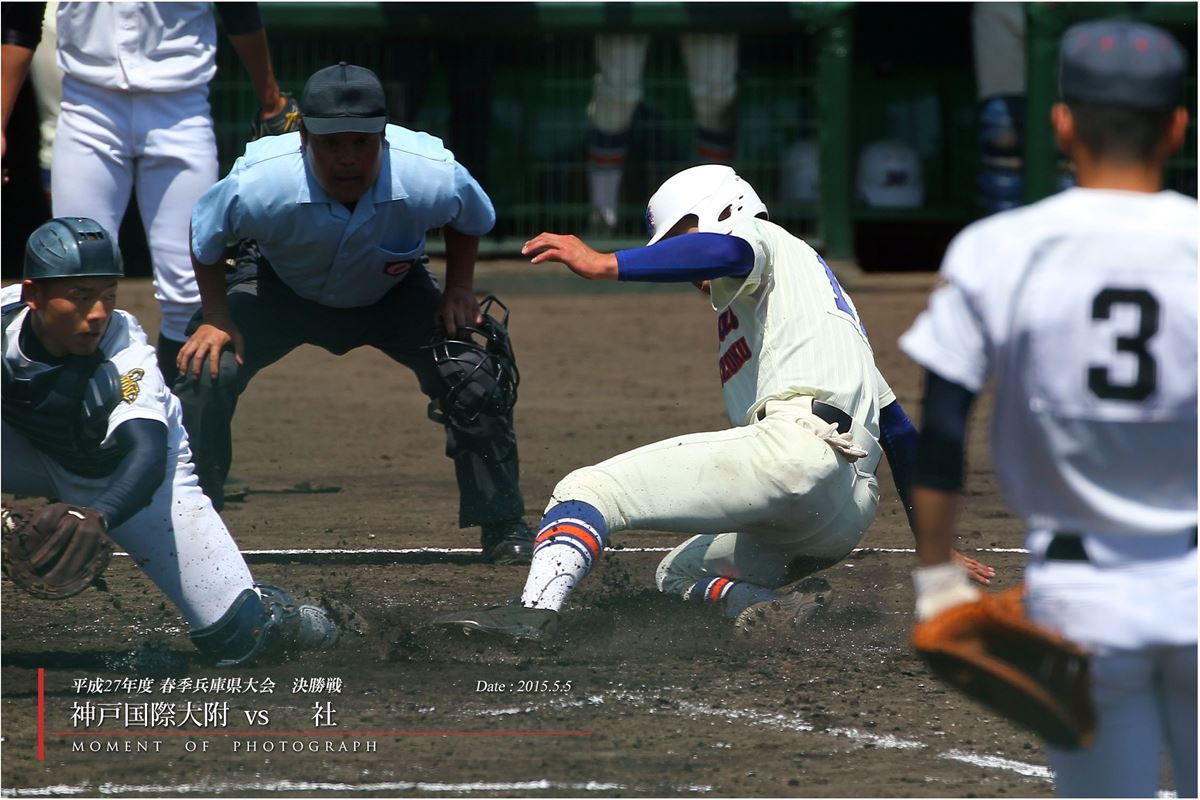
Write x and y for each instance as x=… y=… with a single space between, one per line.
x=343 y=99
x=1120 y=63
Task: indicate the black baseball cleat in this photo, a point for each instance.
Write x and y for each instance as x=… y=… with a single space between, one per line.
x=506 y=542
x=513 y=621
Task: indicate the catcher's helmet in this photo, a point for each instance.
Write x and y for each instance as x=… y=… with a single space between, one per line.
x=706 y=191
x=72 y=247
x=478 y=369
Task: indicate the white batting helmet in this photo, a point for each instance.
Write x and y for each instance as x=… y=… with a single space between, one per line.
x=706 y=191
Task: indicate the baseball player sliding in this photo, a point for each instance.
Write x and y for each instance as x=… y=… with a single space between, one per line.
x=135 y=114
x=1083 y=309
x=87 y=419
x=795 y=477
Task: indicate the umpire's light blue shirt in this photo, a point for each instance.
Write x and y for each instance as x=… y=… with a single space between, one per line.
x=316 y=245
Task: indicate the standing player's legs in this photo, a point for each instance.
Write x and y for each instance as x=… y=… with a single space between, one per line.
x=1137 y=614
x=711 y=60
x=486 y=463
x=269 y=319
x=783 y=487
x=177 y=162
x=617 y=90
x=93 y=159
x=178 y=540
x=1177 y=703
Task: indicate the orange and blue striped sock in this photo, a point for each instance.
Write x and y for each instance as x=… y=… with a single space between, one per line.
x=569 y=542
x=736 y=595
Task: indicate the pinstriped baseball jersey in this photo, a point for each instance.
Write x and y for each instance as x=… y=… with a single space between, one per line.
x=1083 y=308
x=788 y=328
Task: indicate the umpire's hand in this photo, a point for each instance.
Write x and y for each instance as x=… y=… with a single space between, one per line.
x=207 y=342
x=459 y=307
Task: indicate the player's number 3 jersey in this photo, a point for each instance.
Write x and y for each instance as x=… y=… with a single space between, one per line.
x=1083 y=307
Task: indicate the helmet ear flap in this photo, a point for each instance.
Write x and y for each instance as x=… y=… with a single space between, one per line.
x=477 y=368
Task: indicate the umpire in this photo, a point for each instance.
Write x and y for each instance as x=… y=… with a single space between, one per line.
x=339 y=211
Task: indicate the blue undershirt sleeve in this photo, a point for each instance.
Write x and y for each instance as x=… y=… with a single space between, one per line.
x=898 y=436
x=690 y=257
x=941 y=454
x=140 y=473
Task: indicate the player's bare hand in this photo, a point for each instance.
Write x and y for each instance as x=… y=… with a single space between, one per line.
x=207 y=342
x=570 y=250
x=978 y=571
x=459 y=307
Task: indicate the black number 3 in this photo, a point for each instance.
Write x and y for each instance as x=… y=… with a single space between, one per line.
x=1146 y=379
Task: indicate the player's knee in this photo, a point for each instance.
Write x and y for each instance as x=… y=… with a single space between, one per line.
x=672 y=578
x=588 y=485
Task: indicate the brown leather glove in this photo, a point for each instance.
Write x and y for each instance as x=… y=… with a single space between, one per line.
x=990 y=651
x=56 y=551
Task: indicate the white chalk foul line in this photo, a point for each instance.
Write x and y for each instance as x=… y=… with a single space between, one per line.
x=778 y=721
x=418 y=551
x=306 y=786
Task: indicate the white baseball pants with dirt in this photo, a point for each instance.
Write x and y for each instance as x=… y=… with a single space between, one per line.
x=759 y=496
x=1132 y=603
x=178 y=540
x=109 y=142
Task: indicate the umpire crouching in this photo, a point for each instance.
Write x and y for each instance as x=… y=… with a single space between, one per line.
x=339 y=211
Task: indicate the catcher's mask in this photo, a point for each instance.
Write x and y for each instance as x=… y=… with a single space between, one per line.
x=478 y=369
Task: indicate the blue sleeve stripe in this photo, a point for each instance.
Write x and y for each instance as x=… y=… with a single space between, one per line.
x=692 y=257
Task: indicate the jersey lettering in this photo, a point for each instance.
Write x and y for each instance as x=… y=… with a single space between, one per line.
x=734 y=359
x=839 y=296
x=727 y=323
x=1146 y=379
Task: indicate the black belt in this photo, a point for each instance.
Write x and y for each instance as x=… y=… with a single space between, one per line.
x=1069 y=547
x=831 y=414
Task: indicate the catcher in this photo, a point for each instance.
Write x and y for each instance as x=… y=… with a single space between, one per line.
x=87 y=419
x=1083 y=308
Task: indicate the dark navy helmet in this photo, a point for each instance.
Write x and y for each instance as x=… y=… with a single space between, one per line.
x=72 y=247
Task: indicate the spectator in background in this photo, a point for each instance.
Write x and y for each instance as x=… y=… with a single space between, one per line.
x=711 y=62
x=998 y=33
x=135 y=113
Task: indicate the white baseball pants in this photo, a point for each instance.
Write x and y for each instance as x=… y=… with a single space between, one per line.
x=782 y=489
x=178 y=540
x=162 y=143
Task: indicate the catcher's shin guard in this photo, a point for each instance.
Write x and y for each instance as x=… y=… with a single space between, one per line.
x=266 y=626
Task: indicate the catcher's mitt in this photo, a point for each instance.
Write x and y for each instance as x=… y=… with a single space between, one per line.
x=285 y=121
x=56 y=551
x=993 y=653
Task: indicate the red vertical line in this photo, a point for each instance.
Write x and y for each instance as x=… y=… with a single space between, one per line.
x=41 y=734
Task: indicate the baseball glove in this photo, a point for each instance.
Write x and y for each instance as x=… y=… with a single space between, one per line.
x=285 y=121
x=991 y=652
x=56 y=551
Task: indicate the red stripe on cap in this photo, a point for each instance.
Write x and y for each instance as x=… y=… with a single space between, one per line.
x=1141 y=45
x=1107 y=42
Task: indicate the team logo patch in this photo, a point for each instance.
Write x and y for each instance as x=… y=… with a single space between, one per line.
x=397 y=268
x=129 y=384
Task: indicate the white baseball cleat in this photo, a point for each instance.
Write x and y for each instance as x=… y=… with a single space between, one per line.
x=784 y=615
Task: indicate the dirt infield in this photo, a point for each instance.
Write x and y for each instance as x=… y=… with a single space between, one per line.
x=641 y=696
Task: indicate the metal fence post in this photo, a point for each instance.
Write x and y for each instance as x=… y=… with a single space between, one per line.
x=834 y=221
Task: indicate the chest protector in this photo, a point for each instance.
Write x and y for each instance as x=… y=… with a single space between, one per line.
x=63 y=408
